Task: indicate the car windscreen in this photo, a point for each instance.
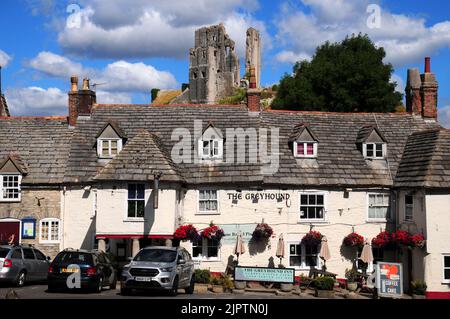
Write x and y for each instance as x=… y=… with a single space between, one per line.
x=156 y=255
x=3 y=252
x=77 y=258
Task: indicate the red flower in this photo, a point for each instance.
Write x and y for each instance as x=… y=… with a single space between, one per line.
x=418 y=240
x=262 y=231
x=354 y=240
x=186 y=232
x=382 y=239
x=313 y=238
x=213 y=232
x=402 y=237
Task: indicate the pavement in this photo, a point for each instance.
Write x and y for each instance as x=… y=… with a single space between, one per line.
x=39 y=291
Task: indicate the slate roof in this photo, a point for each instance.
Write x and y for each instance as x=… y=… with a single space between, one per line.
x=114 y=126
x=365 y=132
x=142 y=157
x=298 y=130
x=426 y=160
x=339 y=161
x=42 y=145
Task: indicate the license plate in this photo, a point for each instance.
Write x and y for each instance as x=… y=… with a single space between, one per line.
x=143 y=278
x=70 y=270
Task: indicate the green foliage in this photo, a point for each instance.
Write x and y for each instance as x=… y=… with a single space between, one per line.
x=215 y=281
x=324 y=283
x=154 y=93
x=202 y=276
x=275 y=87
x=238 y=97
x=418 y=287
x=226 y=282
x=349 y=76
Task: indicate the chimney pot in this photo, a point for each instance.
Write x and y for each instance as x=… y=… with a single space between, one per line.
x=86 y=84
x=427 y=64
x=74 y=82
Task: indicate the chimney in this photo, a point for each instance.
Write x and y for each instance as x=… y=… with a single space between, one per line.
x=429 y=92
x=4 y=111
x=412 y=90
x=253 y=94
x=80 y=101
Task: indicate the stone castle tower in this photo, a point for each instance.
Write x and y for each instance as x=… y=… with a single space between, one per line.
x=214 y=66
x=253 y=54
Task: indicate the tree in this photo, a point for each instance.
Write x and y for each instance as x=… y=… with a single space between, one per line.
x=349 y=76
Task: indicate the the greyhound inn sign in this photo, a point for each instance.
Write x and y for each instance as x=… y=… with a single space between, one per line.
x=257 y=196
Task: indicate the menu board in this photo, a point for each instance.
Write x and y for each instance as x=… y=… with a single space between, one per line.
x=389 y=279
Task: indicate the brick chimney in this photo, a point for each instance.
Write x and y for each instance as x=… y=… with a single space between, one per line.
x=253 y=93
x=412 y=92
x=80 y=101
x=429 y=92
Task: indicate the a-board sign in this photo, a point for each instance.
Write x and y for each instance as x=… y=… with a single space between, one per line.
x=389 y=279
x=280 y=275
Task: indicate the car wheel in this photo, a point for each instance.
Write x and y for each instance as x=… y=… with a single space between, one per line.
x=174 y=291
x=99 y=287
x=190 y=290
x=113 y=285
x=21 y=278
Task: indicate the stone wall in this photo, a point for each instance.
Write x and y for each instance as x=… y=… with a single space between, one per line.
x=37 y=204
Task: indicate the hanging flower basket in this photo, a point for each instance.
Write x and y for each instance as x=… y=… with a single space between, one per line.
x=354 y=240
x=313 y=238
x=418 y=241
x=262 y=231
x=401 y=237
x=186 y=232
x=213 y=232
x=382 y=240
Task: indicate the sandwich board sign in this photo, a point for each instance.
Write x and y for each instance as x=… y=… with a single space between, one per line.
x=390 y=279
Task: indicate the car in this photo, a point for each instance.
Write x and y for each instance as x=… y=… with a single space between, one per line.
x=93 y=268
x=159 y=268
x=20 y=264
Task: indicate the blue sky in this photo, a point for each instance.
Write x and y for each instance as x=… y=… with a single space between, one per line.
x=133 y=46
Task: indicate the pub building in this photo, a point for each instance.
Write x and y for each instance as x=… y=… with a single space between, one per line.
x=129 y=176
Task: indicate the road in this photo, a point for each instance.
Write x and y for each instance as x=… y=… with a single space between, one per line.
x=39 y=291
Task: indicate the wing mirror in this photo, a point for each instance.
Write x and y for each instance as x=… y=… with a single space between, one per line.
x=181 y=261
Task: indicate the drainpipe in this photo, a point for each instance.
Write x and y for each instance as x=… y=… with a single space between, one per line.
x=157 y=176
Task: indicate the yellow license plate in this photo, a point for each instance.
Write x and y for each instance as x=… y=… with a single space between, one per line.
x=64 y=270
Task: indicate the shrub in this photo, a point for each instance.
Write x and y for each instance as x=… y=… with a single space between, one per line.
x=215 y=281
x=227 y=282
x=324 y=283
x=419 y=287
x=351 y=275
x=202 y=276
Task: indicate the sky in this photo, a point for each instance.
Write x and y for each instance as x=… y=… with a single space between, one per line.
x=128 y=47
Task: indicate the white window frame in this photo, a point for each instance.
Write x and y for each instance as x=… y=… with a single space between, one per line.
x=135 y=219
x=408 y=218
x=305 y=148
x=19 y=188
x=445 y=281
x=217 y=156
x=203 y=256
x=325 y=209
x=49 y=240
x=109 y=140
x=303 y=265
x=384 y=150
x=208 y=212
x=378 y=220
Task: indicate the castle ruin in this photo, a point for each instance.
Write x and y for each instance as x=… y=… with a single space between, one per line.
x=214 y=69
x=253 y=54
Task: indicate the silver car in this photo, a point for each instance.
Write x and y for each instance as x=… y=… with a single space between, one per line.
x=163 y=268
x=19 y=264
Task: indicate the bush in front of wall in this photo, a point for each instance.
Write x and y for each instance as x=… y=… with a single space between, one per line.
x=324 y=283
x=419 y=287
x=202 y=276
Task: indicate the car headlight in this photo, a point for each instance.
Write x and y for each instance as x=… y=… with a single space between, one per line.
x=168 y=269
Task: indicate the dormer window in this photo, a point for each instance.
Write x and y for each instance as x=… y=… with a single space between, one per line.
x=371 y=143
x=374 y=150
x=11 y=171
x=210 y=145
x=109 y=141
x=305 y=149
x=305 y=143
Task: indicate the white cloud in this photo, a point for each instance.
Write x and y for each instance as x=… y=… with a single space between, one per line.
x=55 y=65
x=120 y=76
x=405 y=38
x=153 y=28
x=52 y=101
x=444 y=116
x=291 y=57
x=4 y=58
